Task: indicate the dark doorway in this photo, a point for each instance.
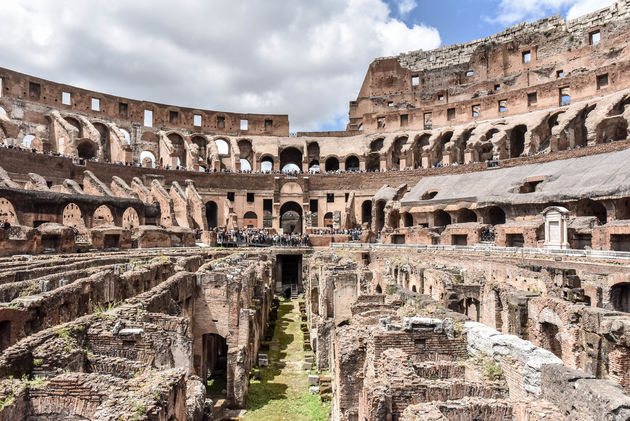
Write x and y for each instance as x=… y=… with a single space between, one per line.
x=366 y=212
x=216 y=353
x=211 y=214
x=550 y=338
x=291 y=218
x=290 y=273
x=51 y=242
x=620 y=297
x=111 y=241
x=5 y=335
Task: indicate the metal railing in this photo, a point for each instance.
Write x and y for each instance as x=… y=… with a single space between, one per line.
x=481 y=248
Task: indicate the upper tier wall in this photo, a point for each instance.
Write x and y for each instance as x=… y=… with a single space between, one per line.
x=527 y=67
x=33 y=89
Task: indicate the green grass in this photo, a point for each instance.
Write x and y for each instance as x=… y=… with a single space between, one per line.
x=283 y=394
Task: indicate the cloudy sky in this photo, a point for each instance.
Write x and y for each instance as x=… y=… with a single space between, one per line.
x=305 y=58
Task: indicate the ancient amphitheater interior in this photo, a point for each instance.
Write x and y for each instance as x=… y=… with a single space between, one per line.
x=460 y=252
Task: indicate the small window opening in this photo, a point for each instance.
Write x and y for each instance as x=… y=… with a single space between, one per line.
x=559 y=74
x=250 y=197
x=347 y=196
x=565 y=97
x=123 y=109
x=497 y=87
x=34 y=90
x=450 y=114
x=440 y=97
x=503 y=106
x=148 y=118
x=220 y=122
x=475 y=110
x=594 y=38
x=96 y=104
x=230 y=196
x=330 y=197
x=380 y=122
x=404 y=120
x=268 y=125
x=527 y=56
x=428 y=121
x=173 y=117
x=529 y=186
x=197 y=120
x=390 y=103
x=470 y=73
x=415 y=80
x=66 y=98
x=532 y=98
x=244 y=124
x=602 y=81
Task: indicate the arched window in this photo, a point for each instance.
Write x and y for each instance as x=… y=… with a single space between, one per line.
x=496 y=216
x=147 y=159
x=266 y=165
x=126 y=135
x=352 y=163
x=332 y=164
x=86 y=149
x=222 y=147
x=441 y=218
x=245 y=165
x=26 y=142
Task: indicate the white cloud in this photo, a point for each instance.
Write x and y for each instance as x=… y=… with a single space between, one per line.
x=406 y=6
x=304 y=58
x=511 y=11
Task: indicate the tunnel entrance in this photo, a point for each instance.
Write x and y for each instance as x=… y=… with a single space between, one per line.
x=289 y=274
x=215 y=358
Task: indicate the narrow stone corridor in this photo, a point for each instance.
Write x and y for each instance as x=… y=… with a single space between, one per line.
x=282 y=393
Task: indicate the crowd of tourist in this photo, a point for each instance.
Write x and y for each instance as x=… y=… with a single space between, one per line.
x=261 y=237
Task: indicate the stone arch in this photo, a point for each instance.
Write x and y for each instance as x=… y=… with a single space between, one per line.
x=7 y=212
x=126 y=135
x=441 y=218
x=266 y=163
x=202 y=146
x=620 y=297
x=466 y=215
x=377 y=144
x=496 y=215
x=103 y=141
x=102 y=217
x=245 y=150
x=420 y=142
x=28 y=140
x=87 y=149
x=75 y=123
x=378 y=289
x=212 y=214
x=223 y=146
x=407 y=219
x=352 y=163
x=72 y=216
x=517 y=141
x=147 y=159
x=328 y=219
x=332 y=164
x=590 y=207
x=290 y=155
x=130 y=219
x=396 y=153
x=250 y=220
x=441 y=147
x=291 y=217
